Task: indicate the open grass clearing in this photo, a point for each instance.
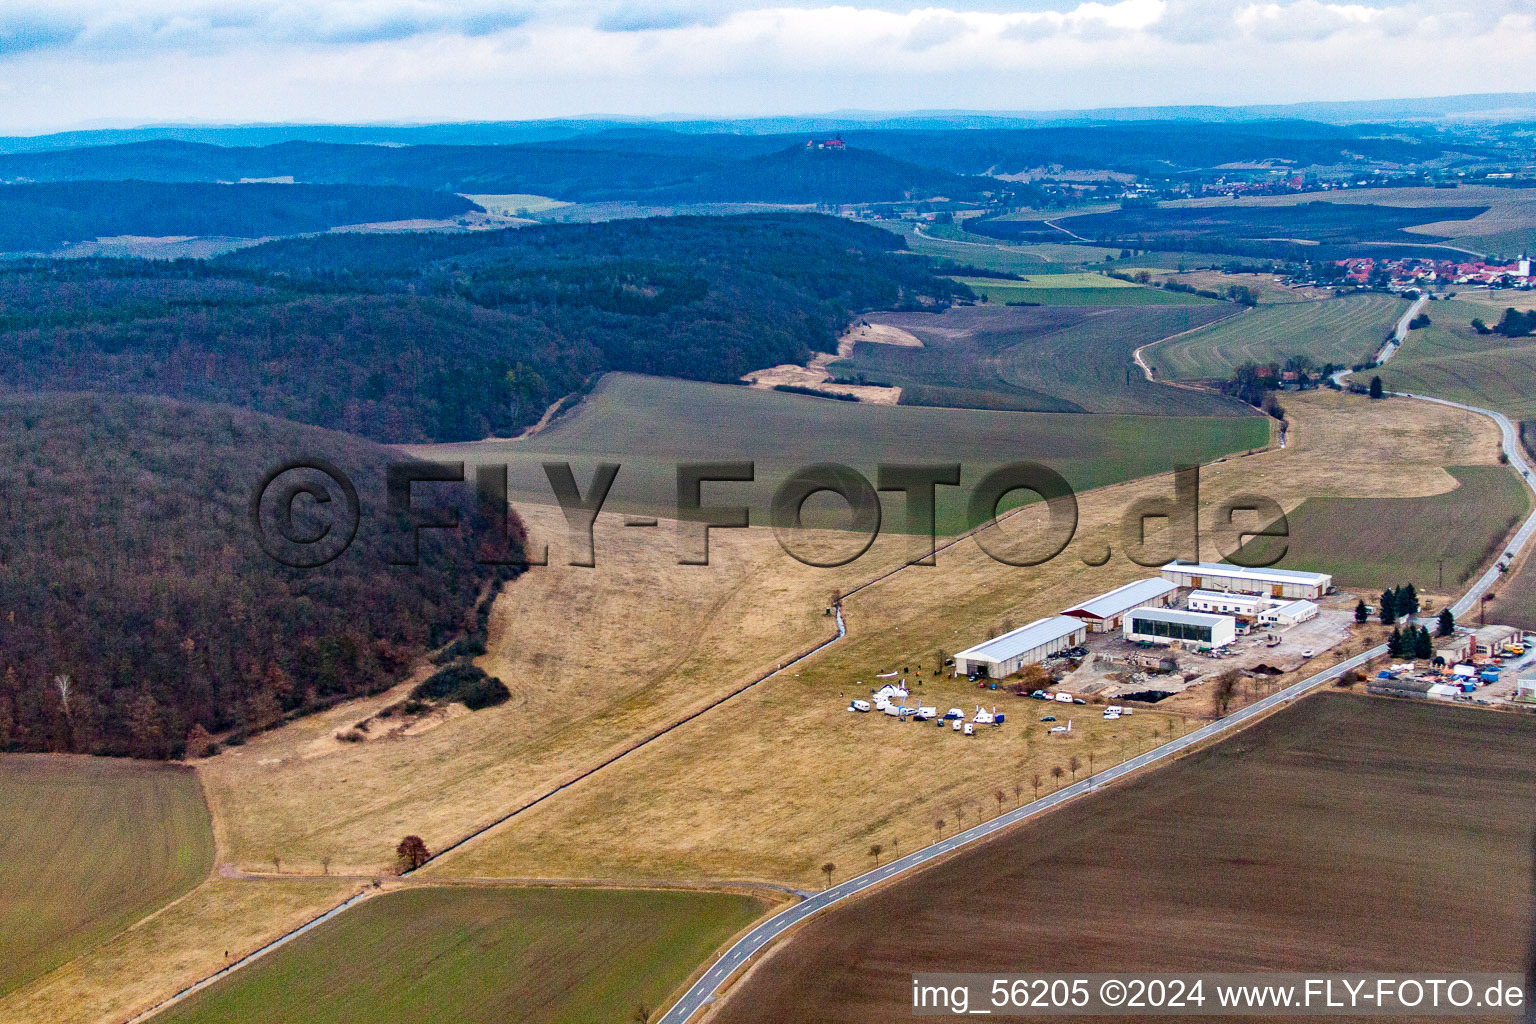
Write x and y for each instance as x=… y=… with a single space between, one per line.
x=1345 y=330
x=90 y=845
x=517 y=204
x=1343 y=833
x=783 y=778
x=530 y=956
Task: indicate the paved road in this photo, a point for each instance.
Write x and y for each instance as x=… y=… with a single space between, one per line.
x=1511 y=442
x=703 y=990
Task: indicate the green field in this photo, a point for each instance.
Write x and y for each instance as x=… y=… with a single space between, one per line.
x=88 y=846
x=1448 y=359
x=649 y=424
x=459 y=955
x=1375 y=543
x=1037 y=358
x=1009 y=259
x=1346 y=331
x=1077 y=289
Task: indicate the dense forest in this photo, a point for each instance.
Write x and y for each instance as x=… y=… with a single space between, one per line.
x=41 y=216
x=136 y=605
x=417 y=337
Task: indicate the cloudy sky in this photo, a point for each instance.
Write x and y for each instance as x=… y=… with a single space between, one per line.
x=73 y=63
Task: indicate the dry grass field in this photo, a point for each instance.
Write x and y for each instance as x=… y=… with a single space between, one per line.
x=595 y=658
x=1344 y=833
x=182 y=944
x=783 y=779
x=87 y=847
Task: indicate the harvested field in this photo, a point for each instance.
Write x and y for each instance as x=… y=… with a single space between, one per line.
x=1375 y=543
x=1344 y=331
x=90 y=845
x=531 y=956
x=1075 y=359
x=1343 y=833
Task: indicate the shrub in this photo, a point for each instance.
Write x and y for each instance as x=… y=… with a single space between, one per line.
x=465 y=683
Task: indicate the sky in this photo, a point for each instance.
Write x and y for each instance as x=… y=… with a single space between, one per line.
x=91 y=63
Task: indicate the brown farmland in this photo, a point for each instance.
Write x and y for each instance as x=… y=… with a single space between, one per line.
x=1344 y=833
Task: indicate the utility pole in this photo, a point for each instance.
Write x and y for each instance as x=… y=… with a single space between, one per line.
x=1441 y=588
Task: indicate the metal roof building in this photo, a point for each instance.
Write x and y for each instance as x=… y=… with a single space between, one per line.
x=1172 y=625
x=1286 y=583
x=1004 y=655
x=1103 y=613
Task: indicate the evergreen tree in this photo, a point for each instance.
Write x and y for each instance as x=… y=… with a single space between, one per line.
x=1388 y=611
x=1423 y=646
x=1362 y=613
x=1406 y=600
x=1447 y=624
x=1395 y=643
x=1375 y=387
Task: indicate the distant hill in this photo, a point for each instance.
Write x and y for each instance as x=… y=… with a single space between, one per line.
x=442 y=337
x=619 y=166
x=41 y=216
x=803 y=174
x=1468 y=107
x=130 y=567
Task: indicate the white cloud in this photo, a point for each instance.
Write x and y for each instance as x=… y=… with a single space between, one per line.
x=70 y=61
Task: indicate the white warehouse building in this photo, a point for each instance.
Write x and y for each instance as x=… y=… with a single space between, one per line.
x=1287 y=583
x=1171 y=625
x=1288 y=614
x=1004 y=655
x=1105 y=613
x=1219 y=602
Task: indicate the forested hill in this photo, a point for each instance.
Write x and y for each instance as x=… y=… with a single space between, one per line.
x=127 y=565
x=39 y=217
x=419 y=337
x=641 y=163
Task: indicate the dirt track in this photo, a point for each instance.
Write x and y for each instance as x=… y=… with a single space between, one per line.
x=1346 y=833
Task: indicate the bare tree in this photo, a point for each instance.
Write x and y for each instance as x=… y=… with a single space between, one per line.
x=1018 y=792
x=642 y=1014
x=1057 y=773
x=999 y=796
x=1036 y=781
x=325 y=864
x=875 y=850
x=63 y=683
x=1224 y=689
x=827 y=870
x=412 y=853
x=1074 y=764
x=938 y=827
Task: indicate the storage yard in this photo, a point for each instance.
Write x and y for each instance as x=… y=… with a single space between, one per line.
x=1342 y=833
x=1135 y=642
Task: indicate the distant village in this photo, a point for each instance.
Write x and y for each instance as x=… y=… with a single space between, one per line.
x=1410 y=272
